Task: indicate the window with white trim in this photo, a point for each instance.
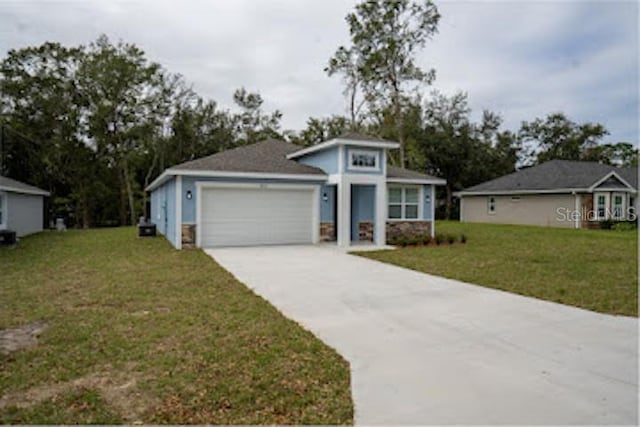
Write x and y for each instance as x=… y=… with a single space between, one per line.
x=491 y=205
x=403 y=203
x=3 y=210
x=601 y=205
x=618 y=206
x=364 y=160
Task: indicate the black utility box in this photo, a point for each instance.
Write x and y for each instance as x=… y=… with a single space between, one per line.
x=146 y=230
x=7 y=237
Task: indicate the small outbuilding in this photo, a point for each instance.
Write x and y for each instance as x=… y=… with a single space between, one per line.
x=21 y=207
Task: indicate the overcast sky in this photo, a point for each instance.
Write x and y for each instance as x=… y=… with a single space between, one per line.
x=520 y=59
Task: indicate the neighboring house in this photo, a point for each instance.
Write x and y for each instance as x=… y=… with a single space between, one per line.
x=274 y=192
x=558 y=193
x=21 y=207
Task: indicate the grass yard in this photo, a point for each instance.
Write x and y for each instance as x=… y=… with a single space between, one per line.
x=138 y=331
x=592 y=269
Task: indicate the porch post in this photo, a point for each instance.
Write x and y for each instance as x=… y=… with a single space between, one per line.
x=344 y=213
x=380 y=232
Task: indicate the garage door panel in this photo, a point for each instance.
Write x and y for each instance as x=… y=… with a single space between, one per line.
x=241 y=216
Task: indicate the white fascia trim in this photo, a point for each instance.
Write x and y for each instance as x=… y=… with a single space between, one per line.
x=23 y=191
x=606 y=177
x=250 y=185
x=341 y=141
x=417 y=181
x=159 y=180
x=222 y=174
x=255 y=175
x=512 y=192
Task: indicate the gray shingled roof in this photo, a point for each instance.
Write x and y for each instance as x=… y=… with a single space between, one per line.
x=554 y=175
x=268 y=156
x=401 y=173
x=8 y=184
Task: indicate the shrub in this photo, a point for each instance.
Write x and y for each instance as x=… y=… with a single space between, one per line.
x=625 y=226
x=403 y=241
x=451 y=239
x=439 y=239
x=426 y=239
x=463 y=238
x=606 y=224
x=415 y=240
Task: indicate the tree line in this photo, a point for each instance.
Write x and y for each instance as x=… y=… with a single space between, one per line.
x=95 y=124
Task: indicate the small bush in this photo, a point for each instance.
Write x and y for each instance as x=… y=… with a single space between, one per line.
x=625 y=226
x=439 y=239
x=463 y=238
x=451 y=239
x=426 y=239
x=606 y=224
x=415 y=240
x=403 y=241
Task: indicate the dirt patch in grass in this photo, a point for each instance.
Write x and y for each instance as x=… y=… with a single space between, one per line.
x=21 y=337
x=118 y=389
x=138 y=331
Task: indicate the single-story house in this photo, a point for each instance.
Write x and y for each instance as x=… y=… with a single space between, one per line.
x=558 y=193
x=21 y=207
x=275 y=192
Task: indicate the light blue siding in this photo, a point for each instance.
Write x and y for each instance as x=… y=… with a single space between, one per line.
x=428 y=200
x=189 y=184
x=327 y=208
x=163 y=210
x=347 y=160
x=327 y=160
x=363 y=205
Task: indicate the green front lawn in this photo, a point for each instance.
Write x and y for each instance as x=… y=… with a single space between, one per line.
x=138 y=331
x=592 y=269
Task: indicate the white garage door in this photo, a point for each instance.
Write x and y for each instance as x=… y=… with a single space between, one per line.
x=256 y=216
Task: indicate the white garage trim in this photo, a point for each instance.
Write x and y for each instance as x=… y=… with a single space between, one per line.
x=315 y=205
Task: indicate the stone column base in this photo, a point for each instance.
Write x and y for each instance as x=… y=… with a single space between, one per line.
x=365 y=231
x=188 y=235
x=327 y=232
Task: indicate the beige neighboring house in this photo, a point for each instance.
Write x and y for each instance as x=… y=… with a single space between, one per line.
x=558 y=193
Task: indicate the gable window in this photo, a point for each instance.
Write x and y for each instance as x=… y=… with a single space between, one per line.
x=3 y=211
x=601 y=205
x=403 y=203
x=364 y=160
x=491 y=205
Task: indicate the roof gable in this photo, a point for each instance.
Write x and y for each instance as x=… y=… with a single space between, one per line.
x=353 y=139
x=611 y=182
x=11 y=185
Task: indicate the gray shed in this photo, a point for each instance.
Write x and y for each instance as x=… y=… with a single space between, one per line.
x=21 y=207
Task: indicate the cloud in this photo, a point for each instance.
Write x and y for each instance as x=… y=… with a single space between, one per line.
x=521 y=59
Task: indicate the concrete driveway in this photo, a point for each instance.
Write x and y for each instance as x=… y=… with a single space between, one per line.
x=428 y=350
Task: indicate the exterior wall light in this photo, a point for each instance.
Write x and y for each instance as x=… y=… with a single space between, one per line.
x=325 y=198
x=427 y=198
x=189 y=195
